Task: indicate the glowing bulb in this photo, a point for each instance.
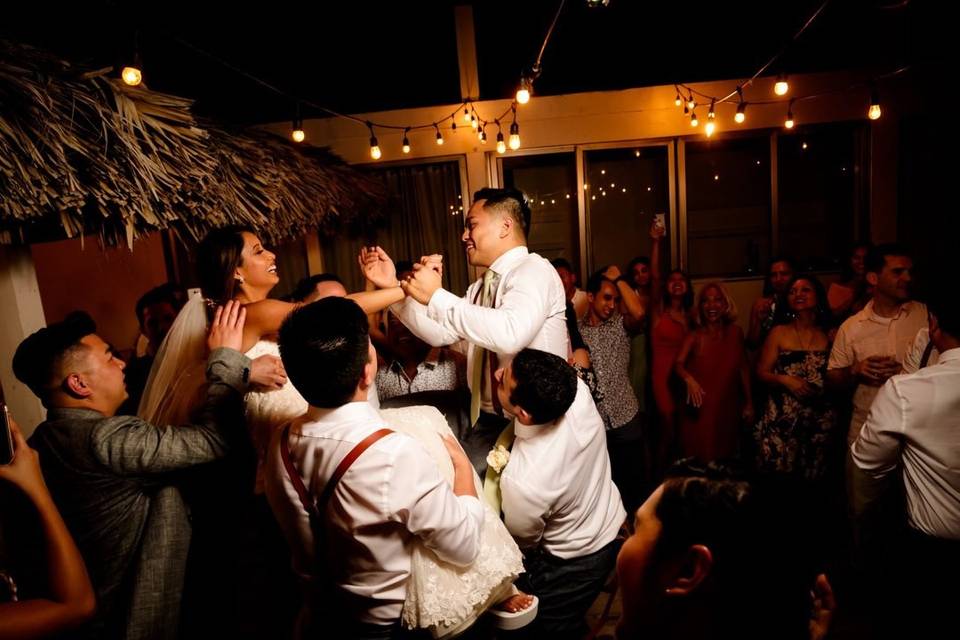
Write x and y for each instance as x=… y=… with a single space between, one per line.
x=483 y=137
x=691 y=103
x=297 y=135
x=710 y=127
x=466 y=116
x=741 y=113
x=406 y=145
x=788 y=123
x=874 y=111
x=439 y=137
x=514 y=136
x=712 y=112
x=501 y=145
x=374 y=148
x=678 y=100
x=523 y=93
x=131 y=76
x=693 y=119
x=781 y=87
x=474 y=122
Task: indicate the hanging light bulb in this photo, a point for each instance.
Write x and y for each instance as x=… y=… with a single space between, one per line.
x=483 y=136
x=526 y=88
x=781 y=87
x=501 y=145
x=686 y=110
x=874 y=111
x=514 y=136
x=132 y=75
x=678 y=101
x=788 y=123
x=466 y=115
x=691 y=103
x=297 y=134
x=453 y=128
x=741 y=114
x=439 y=135
x=711 y=125
x=374 y=145
x=693 y=119
x=406 y=142
x=474 y=121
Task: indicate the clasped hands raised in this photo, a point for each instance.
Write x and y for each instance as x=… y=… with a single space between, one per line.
x=420 y=283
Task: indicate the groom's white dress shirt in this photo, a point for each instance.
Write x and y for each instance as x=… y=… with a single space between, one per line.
x=557 y=491
x=393 y=491
x=529 y=311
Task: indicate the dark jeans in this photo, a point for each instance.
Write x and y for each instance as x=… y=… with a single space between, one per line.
x=478 y=441
x=566 y=589
x=629 y=462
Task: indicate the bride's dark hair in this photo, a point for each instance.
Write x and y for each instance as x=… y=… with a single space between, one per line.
x=218 y=256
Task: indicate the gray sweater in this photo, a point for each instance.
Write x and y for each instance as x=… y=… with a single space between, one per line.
x=113 y=480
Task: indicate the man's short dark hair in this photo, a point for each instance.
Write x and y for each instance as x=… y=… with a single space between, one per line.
x=165 y=293
x=41 y=355
x=546 y=385
x=595 y=283
x=307 y=285
x=877 y=256
x=511 y=202
x=561 y=263
x=324 y=347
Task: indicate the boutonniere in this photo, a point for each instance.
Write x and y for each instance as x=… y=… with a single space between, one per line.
x=498 y=458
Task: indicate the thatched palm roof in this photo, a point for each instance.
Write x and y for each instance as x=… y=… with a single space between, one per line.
x=80 y=152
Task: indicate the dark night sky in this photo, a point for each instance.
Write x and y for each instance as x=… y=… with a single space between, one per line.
x=363 y=56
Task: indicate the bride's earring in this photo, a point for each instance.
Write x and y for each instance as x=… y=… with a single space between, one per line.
x=239 y=279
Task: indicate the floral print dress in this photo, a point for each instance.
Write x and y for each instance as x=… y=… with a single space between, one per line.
x=793 y=434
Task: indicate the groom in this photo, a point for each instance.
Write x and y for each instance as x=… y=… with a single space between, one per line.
x=355 y=552
x=519 y=302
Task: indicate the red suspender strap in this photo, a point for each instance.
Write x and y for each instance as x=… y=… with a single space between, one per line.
x=314 y=508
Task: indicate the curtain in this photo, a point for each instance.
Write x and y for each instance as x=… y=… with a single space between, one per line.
x=423 y=216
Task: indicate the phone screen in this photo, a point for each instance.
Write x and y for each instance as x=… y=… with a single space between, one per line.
x=6 y=438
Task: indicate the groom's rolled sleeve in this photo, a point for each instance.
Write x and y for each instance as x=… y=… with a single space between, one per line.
x=419 y=497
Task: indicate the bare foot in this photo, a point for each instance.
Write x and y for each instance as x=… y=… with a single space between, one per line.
x=515 y=603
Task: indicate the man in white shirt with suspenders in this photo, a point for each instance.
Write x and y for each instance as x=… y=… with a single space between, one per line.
x=349 y=494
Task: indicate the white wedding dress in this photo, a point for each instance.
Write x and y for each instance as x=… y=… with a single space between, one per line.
x=441 y=598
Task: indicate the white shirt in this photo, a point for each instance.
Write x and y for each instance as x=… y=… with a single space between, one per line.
x=529 y=311
x=866 y=334
x=911 y=362
x=557 y=491
x=915 y=422
x=393 y=491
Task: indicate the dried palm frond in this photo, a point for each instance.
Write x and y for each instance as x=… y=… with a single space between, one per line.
x=82 y=153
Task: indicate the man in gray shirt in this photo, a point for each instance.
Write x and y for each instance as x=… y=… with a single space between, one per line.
x=113 y=477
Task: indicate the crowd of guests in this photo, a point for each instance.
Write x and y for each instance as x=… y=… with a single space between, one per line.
x=631 y=427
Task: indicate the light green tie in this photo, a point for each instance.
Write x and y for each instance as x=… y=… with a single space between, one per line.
x=490 y=278
x=491 y=479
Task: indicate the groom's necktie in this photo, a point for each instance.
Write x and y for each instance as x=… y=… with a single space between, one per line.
x=480 y=355
x=491 y=479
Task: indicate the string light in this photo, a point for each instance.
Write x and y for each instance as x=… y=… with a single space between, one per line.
x=466 y=115
x=874 y=111
x=788 y=123
x=693 y=119
x=439 y=135
x=691 y=103
x=132 y=73
x=406 y=142
x=501 y=145
x=483 y=135
x=781 y=87
x=711 y=125
x=296 y=129
x=474 y=121
x=374 y=145
x=453 y=128
x=678 y=101
x=526 y=88
x=514 y=132
x=741 y=114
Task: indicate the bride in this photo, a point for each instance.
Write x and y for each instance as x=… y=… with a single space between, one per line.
x=232 y=263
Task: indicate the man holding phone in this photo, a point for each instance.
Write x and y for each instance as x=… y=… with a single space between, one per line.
x=114 y=477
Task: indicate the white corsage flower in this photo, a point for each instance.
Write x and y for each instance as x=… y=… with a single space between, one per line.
x=498 y=458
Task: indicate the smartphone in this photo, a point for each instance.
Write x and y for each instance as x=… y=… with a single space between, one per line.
x=6 y=438
x=660 y=220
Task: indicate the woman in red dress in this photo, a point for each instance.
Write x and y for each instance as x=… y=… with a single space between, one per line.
x=713 y=364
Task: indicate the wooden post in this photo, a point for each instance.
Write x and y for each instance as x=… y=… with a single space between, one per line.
x=22 y=315
x=467 y=53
